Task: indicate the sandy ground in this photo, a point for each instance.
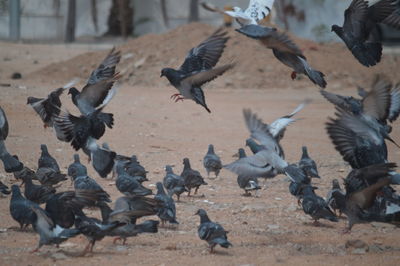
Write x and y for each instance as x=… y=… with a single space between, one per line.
x=269 y=230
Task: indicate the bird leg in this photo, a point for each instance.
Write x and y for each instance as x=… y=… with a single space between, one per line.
x=124 y=241
x=298 y=202
x=177 y=97
x=36 y=249
x=115 y=239
x=293 y=75
x=180 y=98
x=178 y=196
x=195 y=190
x=91 y=247
x=212 y=248
x=189 y=192
x=316 y=223
x=87 y=249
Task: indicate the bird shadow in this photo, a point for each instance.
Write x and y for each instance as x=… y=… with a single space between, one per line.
x=321 y=225
x=18 y=229
x=220 y=253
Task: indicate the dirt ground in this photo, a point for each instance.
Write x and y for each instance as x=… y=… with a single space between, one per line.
x=269 y=230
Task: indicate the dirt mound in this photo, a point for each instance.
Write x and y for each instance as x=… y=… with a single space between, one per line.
x=144 y=57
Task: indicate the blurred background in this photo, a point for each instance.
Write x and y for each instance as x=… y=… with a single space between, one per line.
x=84 y=20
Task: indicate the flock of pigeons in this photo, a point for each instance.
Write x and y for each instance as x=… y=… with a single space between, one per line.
x=358 y=132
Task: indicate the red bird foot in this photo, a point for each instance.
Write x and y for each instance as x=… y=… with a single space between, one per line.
x=293 y=75
x=173 y=96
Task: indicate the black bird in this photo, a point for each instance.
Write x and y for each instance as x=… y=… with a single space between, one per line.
x=316 y=206
x=212 y=232
x=192 y=178
x=50 y=233
x=46 y=160
x=133 y=168
x=360 y=30
x=85 y=182
x=37 y=193
x=127 y=184
x=308 y=165
x=331 y=200
x=296 y=190
x=168 y=211
x=4 y=189
x=24 y=172
x=198 y=69
x=76 y=168
x=174 y=184
x=285 y=50
x=11 y=164
x=212 y=162
x=49 y=177
x=20 y=208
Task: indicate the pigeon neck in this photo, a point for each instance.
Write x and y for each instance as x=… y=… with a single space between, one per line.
x=168 y=169
x=211 y=149
x=44 y=150
x=160 y=189
x=16 y=193
x=186 y=165
x=335 y=185
x=120 y=167
x=76 y=158
x=305 y=153
x=254 y=147
x=105 y=212
x=204 y=218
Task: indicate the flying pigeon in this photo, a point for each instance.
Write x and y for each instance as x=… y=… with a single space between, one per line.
x=50 y=232
x=360 y=30
x=285 y=50
x=198 y=69
x=11 y=164
x=308 y=165
x=174 y=184
x=168 y=211
x=20 y=208
x=255 y=12
x=247 y=183
x=212 y=232
x=212 y=162
x=192 y=178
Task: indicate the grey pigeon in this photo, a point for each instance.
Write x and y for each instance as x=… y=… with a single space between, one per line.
x=49 y=177
x=37 y=193
x=20 y=208
x=168 y=211
x=308 y=165
x=24 y=172
x=285 y=50
x=4 y=190
x=247 y=183
x=127 y=184
x=76 y=168
x=134 y=168
x=174 y=184
x=192 y=178
x=316 y=206
x=50 y=233
x=118 y=157
x=143 y=206
x=212 y=232
x=85 y=182
x=46 y=160
x=131 y=229
x=212 y=162
x=331 y=200
x=198 y=69
x=10 y=163
x=360 y=30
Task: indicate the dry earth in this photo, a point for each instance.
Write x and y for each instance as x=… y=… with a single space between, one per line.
x=269 y=230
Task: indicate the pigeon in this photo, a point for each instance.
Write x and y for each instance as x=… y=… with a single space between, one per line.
x=102 y=159
x=127 y=184
x=296 y=190
x=48 y=177
x=50 y=232
x=198 y=69
x=192 y=178
x=85 y=182
x=269 y=157
x=61 y=206
x=212 y=232
x=4 y=190
x=10 y=163
x=76 y=168
x=93 y=229
x=255 y=12
x=168 y=211
x=142 y=206
x=331 y=200
x=212 y=162
x=285 y=50
x=316 y=206
x=247 y=183
x=174 y=184
x=360 y=30
x=118 y=157
x=131 y=229
x=37 y=193
x=308 y=165
x=46 y=160
x=20 y=208
x=134 y=168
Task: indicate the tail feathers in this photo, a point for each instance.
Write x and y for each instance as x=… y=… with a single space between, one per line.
x=149 y=226
x=11 y=164
x=103 y=161
x=68 y=233
x=383 y=218
x=317 y=77
x=223 y=242
x=369 y=54
x=112 y=226
x=198 y=97
x=107 y=119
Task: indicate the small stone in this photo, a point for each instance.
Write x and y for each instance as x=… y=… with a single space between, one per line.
x=273 y=226
x=121 y=248
x=16 y=75
x=356 y=243
x=359 y=251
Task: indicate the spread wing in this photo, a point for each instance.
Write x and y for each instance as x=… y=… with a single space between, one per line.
x=106 y=69
x=259 y=9
x=355 y=16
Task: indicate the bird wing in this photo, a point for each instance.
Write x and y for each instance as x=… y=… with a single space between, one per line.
x=106 y=69
x=206 y=54
x=379 y=11
x=43 y=220
x=202 y=77
x=259 y=9
x=337 y=100
x=393 y=19
x=354 y=18
x=394 y=110
x=377 y=101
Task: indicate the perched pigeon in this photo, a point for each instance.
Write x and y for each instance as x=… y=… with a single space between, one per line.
x=11 y=164
x=331 y=200
x=316 y=206
x=134 y=168
x=212 y=162
x=118 y=157
x=360 y=30
x=127 y=184
x=255 y=12
x=50 y=233
x=76 y=168
x=20 y=208
x=192 y=178
x=102 y=159
x=46 y=160
x=212 y=232
x=285 y=50
x=25 y=172
x=308 y=165
x=4 y=189
x=174 y=184
x=247 y=183
x=296 y=190
x=198 y=69
x=37 y=193
x=167 y=212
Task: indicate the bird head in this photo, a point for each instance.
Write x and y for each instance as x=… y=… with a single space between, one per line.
x=164 y=72
x=73 y=91
x=200 y=212
x=43 y=147
x=337 y=29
